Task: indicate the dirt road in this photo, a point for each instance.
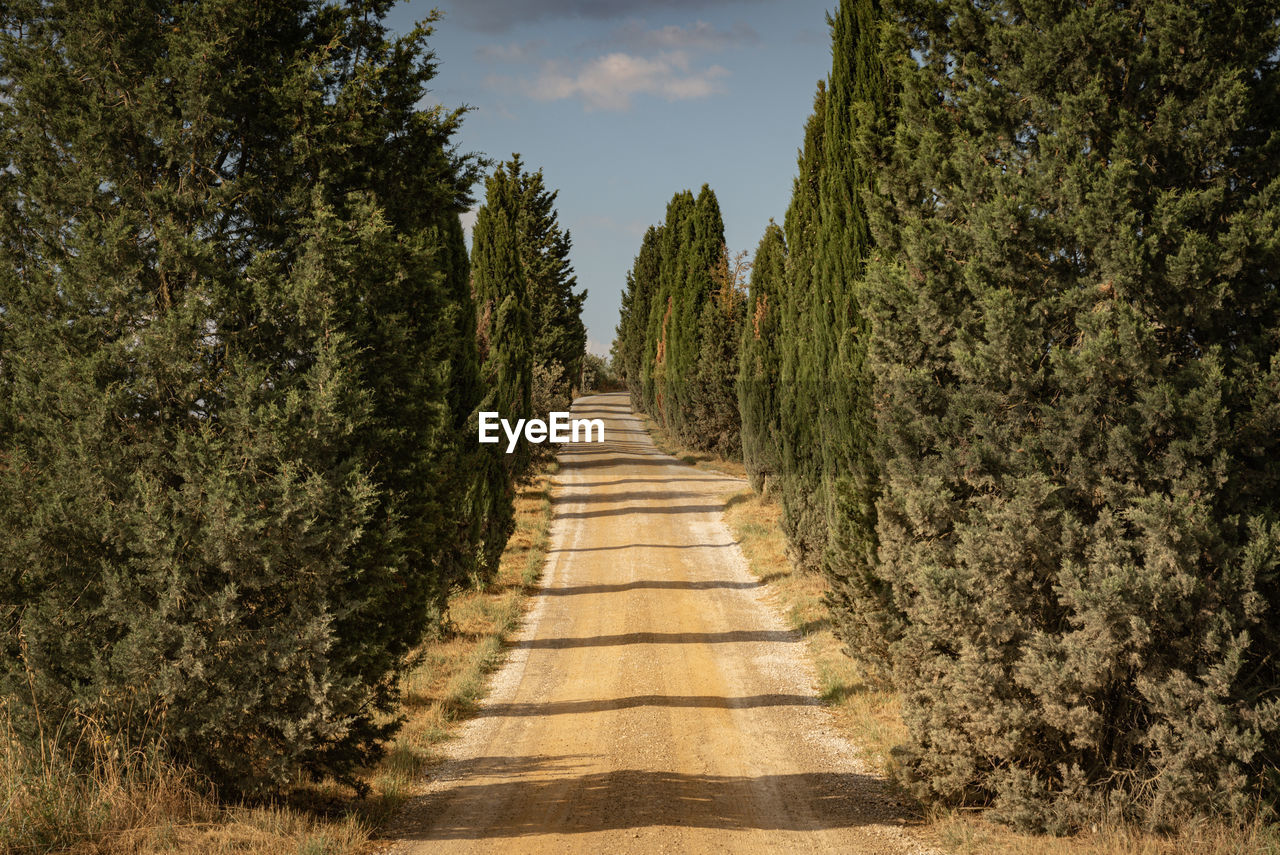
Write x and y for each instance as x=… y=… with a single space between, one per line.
x=653 y=702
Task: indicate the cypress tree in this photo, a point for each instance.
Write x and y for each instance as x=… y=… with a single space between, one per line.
x=800 y=474
x=1075 y=320
x=701 y=245
x=506 y=351
x=715 y=424
x=689 y=249
x=461 y=555
x=758 y=360
x=623 y=353
x=219 y=520
x=678 y=333
x=659 y=371
x=853 y=120
x=637 y=300
x=559 y=338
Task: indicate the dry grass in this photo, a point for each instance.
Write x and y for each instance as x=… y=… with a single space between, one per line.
x=870 y=716
x=699 y=459
x=102 y=798
x=134 y=803
x=972 y=835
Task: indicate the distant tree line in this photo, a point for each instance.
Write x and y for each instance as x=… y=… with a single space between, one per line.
x=242 y=350
x=681 y=318
x=1012 y=367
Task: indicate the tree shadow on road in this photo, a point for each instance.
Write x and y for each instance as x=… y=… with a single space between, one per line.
x=655 y=479
x=732 y=636
x=506 y=797
x=651 y=585
x=642 y=546
x=710 y=702
x=645 y=511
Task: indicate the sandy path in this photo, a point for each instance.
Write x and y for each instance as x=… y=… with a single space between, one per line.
x=653 y=701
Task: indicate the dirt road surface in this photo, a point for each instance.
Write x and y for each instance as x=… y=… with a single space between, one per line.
x=654 y=701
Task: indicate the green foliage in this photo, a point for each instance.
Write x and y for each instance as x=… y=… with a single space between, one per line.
x=530 y=332
x=632 y=342
x=234 y=358
x=598 y=375
x=660 y=373
x=807 y=391
x=799 y=393
x=1075 y=325
x=505 y=341
x=690 y=288
x=555 y=311
x=678 y=332
x=854 y=120
x=713 y=419
x=758 y=361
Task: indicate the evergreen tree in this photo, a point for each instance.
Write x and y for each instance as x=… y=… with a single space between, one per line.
x=688 y=249
x=758 y=359
x=692 y=287
x=854 y=120
x=230 y=352
x=462 y=555
x=824 y=434
x=799 y=391
x=1075 y=318
x=506 y=351
x=632 y=334
x=714 y=422
x=555 y=311
x=623 y=353
x=659 y=372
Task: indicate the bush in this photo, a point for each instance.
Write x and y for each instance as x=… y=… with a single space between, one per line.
x=1075 y=320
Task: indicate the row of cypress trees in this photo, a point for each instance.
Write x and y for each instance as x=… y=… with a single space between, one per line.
x=239 y=377
x=681 y=318
x=1012 y=366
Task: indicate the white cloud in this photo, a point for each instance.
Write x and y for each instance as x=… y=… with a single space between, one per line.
x=609 y=82
x=699 y=36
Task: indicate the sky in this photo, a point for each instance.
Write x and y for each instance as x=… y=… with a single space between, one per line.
x=623 y=104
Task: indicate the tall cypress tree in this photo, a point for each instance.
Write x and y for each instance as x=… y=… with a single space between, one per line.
x=622 y=352
x=223 y=228
x=800 y=474
x=715 y=425
x=461 y=556
x=1076 y=318
x=701 y=245
x=854 y=120
x=659 y=371
x=690 y=247
x=633 y=322
x=559 y=337
x=506 y=350
x=758 y=361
